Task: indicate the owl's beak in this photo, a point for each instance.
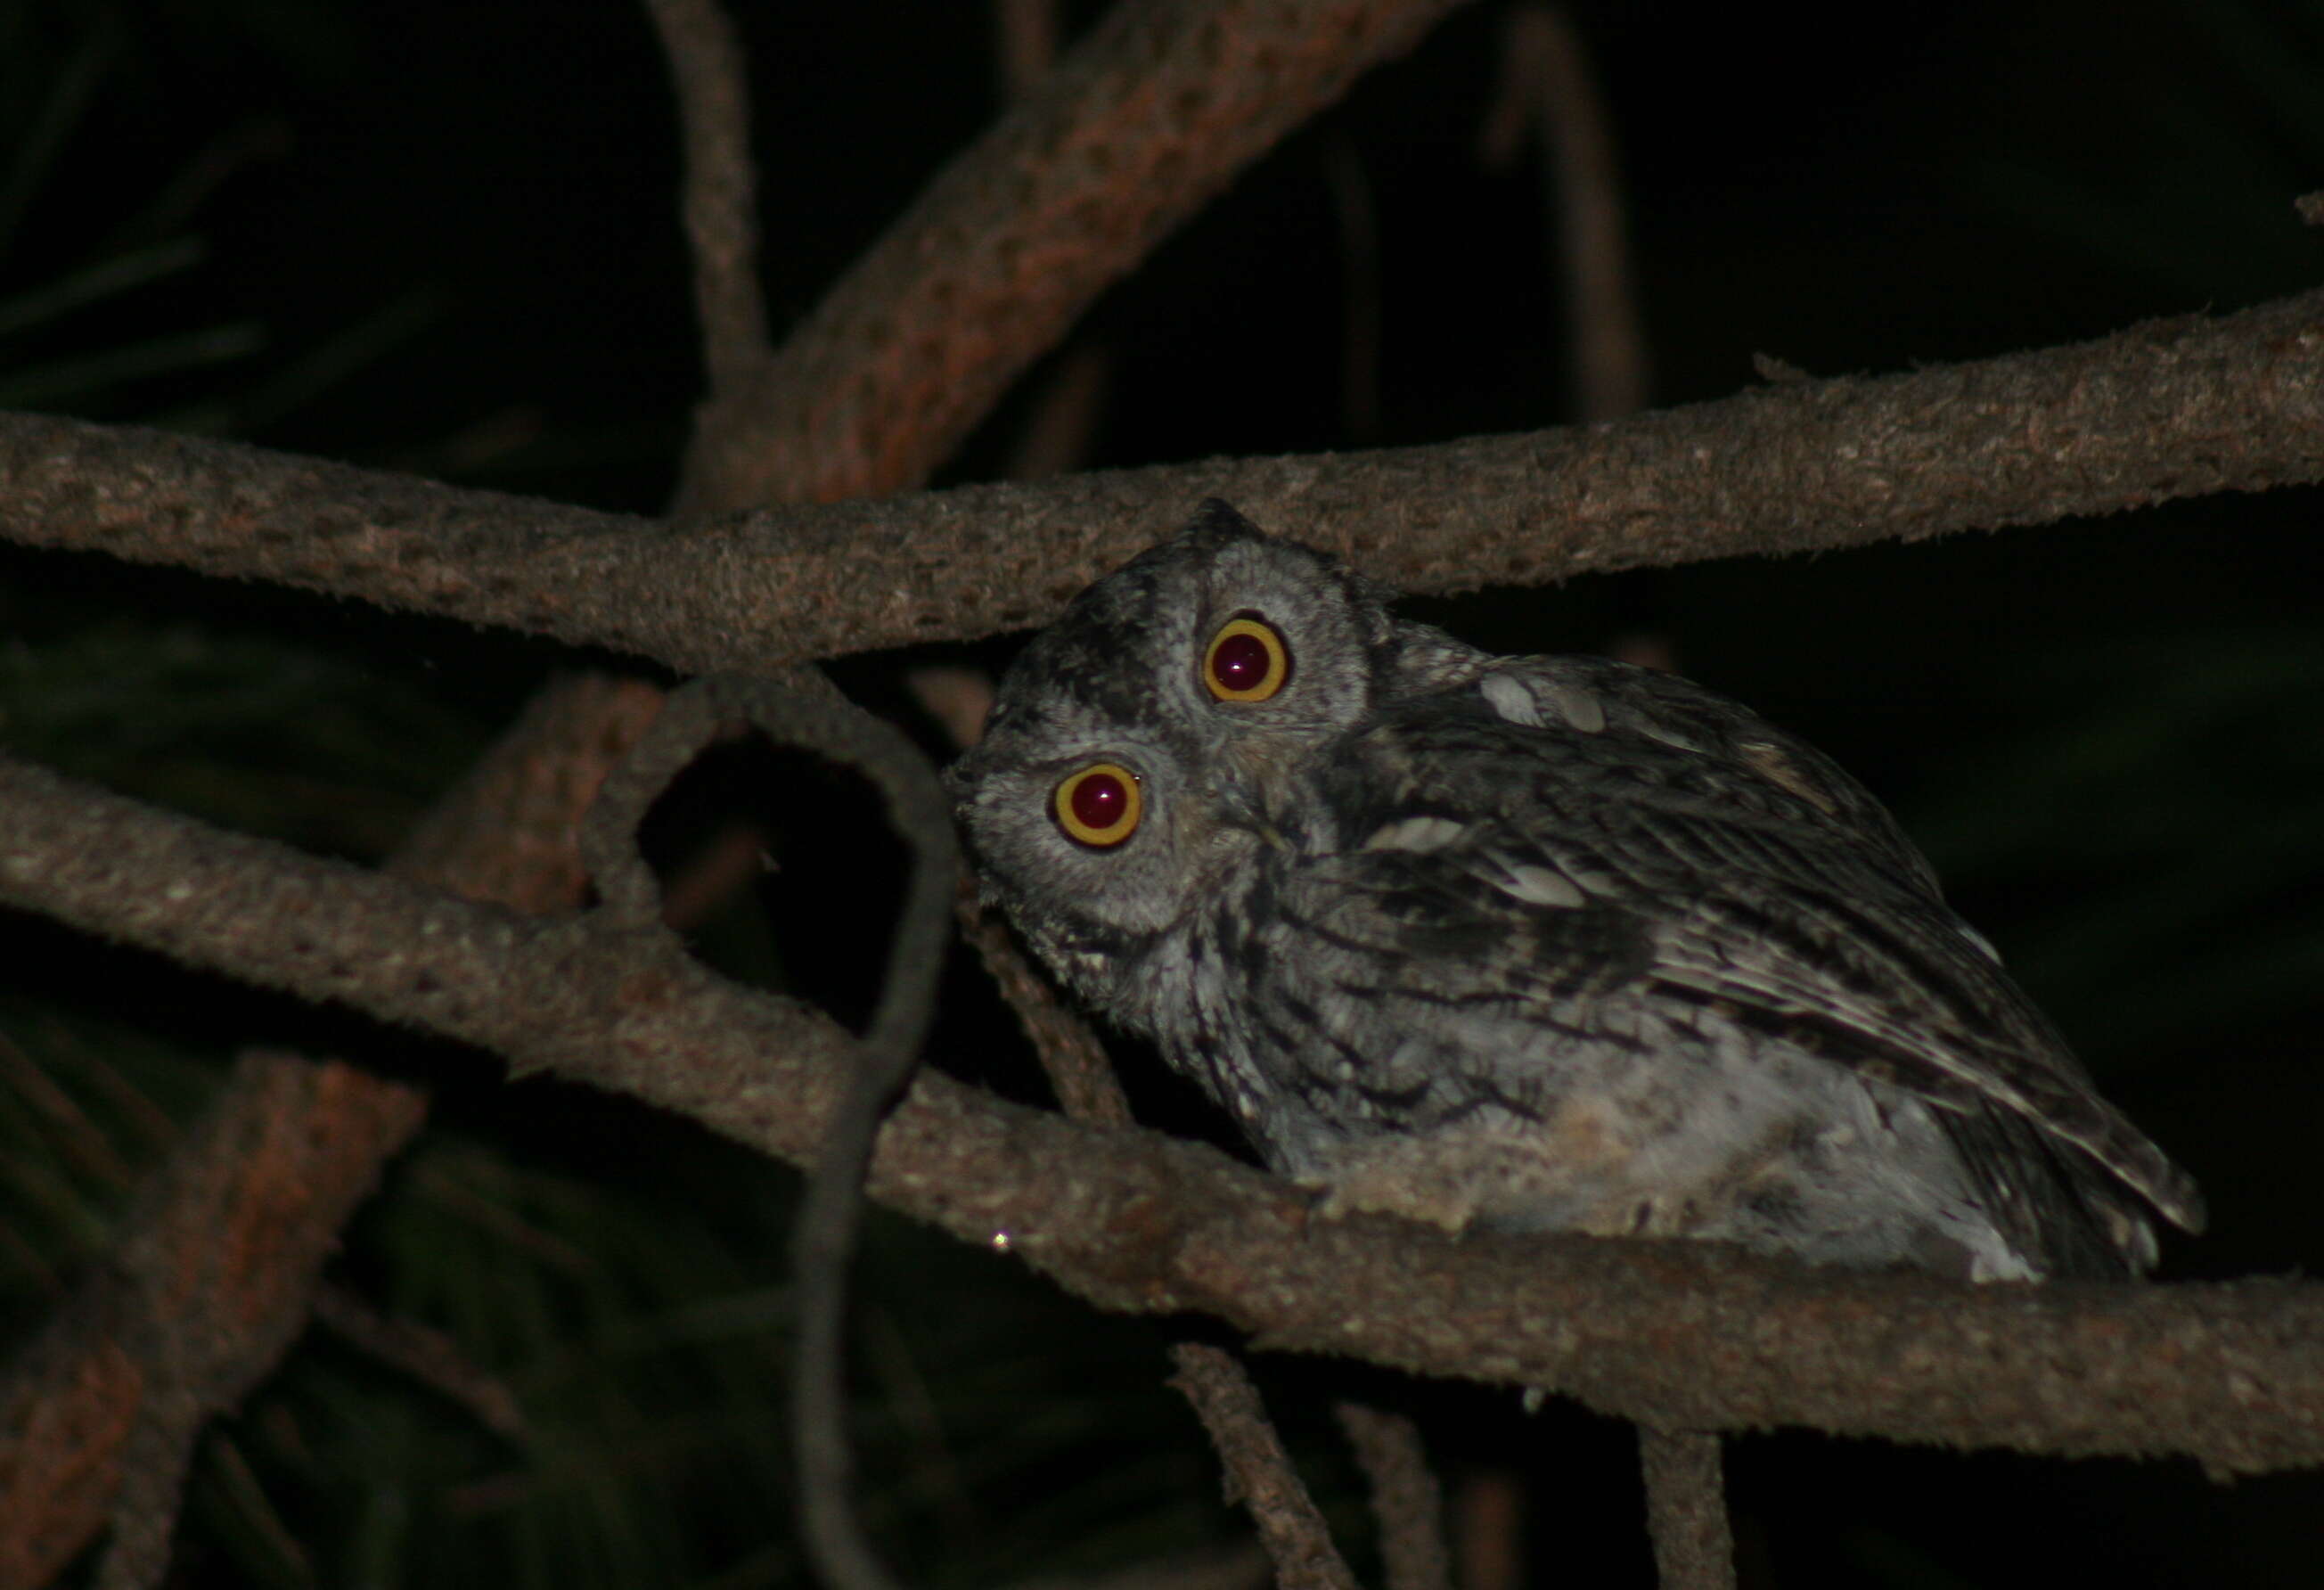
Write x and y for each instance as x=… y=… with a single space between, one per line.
x=1238 y=801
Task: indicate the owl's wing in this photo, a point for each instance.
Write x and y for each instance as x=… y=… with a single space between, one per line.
x=1629 y=835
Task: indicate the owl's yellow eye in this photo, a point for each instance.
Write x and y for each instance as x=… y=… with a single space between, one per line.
x=1098 y=805
x=1247 y=660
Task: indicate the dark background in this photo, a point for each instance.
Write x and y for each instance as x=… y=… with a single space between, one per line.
x=442 y=237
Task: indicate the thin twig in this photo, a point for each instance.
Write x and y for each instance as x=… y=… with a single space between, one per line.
x=1686 y=1508
x=803 y=709
x=78 y=1138
x=1076 y=1063
x=1491 y=1531
x=1258 y=1472
x=426 y=1355
x=1024 y=43
x=1407 y=1501
x=806 y=711
x=1061 y=421
x=720 y=204
x=1547 y=83
x=1079 y=1071
x=735 y=856
x=720 y=208
x=256 y=1513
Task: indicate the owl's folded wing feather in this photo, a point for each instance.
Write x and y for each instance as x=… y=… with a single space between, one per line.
x=1633 y=828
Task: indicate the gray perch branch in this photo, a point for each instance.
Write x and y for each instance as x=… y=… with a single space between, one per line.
x=2168 y=410
x=1673 y=1334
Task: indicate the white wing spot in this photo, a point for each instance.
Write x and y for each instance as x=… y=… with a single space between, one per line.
x=1669 y=733
x=1414 y=833
x=1769 y=761
x=1581 y=709
x=1979 y=940
x=1542 y=886
x=1512 y=699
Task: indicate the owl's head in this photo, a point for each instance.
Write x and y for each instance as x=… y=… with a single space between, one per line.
x=1140 y=747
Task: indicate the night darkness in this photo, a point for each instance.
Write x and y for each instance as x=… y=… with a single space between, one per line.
x=443 y=238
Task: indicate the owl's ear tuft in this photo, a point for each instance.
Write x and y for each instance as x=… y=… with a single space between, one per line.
x=1216 y=522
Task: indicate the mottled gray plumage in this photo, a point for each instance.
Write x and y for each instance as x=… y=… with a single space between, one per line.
x=1553 y=943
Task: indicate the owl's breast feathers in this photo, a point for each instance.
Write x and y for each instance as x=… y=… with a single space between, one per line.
x=1566 y=899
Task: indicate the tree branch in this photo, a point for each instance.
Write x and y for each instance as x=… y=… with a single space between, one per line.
x=803 y=709
x=426 y=1355
x=218 y=1260
x=2168 y=410
x=1546 y=81
x=66 y=1429
x=1141 y=123
x=1686 y=1508
x=720 y=206
x=1258 y=1472
x=1678 y=1335
x=720 y=209
x=1407 y=1502
x=1079 y=1071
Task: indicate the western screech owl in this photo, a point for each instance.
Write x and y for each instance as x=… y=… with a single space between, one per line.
x=1550 y=943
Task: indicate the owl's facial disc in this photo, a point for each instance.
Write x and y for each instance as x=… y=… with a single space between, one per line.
x=1154 y=739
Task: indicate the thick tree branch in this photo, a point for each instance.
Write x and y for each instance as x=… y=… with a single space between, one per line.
x=66 y=1429
x=1677 y=1335
x=2171 y=409
x=99 y=1415
x=1143 y=121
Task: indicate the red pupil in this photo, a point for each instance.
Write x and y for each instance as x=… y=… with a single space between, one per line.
x=1099 y=801
x=1240 y=663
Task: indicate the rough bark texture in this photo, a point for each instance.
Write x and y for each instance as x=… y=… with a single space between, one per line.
x=222 y=1253
x=1259 y=1473
x=1407 y=1502
x=1686 y=1509
x=1676 y=1334
x=1050 y=237
x=1145 y=119
x=2173 y=409
x=1155 y=110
